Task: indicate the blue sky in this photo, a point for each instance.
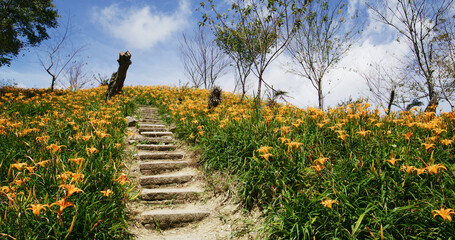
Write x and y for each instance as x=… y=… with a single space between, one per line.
x=150 y=31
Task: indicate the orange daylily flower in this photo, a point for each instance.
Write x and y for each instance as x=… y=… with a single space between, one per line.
x=107 y=192
x=18 y=166
x=263 y=149
x=295 y=145
x=86 y=137
x=408 y=169
x=446 y=141
x=36 y=208
x=42 y=139
x=71 y=189
x=364 y=133
x=122 y=179
x=342 y=134
x=91 y=150
x=62 y=203
x=420 y=170
x=439 y=130
x=283 y=139
x=328 y=203
x=76 y=160
x=393 y=160
x=407 y=135
x=428 y=145
x=43 y=163
x=54 y=147
x=19 y=182
x=446 y=214
x=318 y=167
x=321 y=160
x=433 y=169
x=266 y=156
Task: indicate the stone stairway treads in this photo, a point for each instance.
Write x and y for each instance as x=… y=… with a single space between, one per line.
x=156 y=134
x=159 y=155
x=145 y=125
x=171 y=218
x=155 y=147
x=152 y=140
x=155 y=167
x=166 y=177
x=174 y=193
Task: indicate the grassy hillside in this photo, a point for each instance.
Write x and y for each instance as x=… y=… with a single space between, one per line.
x=60 y=160
x=348 y=173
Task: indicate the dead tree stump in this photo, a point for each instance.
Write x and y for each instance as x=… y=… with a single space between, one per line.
x=118 y=78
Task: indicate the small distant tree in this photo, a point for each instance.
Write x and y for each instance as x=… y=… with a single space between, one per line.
x=417 y=22
x=385 y=85
x=103 y=80
x=23 y=24
x=270 y=25
x=8 y=83
x=230 y=40
x=325 y=36
x=203 y=61
x=59 y=53
x=445 y=60
x=76 y=77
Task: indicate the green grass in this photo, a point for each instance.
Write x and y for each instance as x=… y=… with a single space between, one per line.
x=289 y=182
x=34 y=121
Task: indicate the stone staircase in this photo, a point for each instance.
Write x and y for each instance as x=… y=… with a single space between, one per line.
x=171 y=186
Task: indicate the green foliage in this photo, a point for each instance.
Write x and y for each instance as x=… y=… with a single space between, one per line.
x=51 y=142
x=348 y=173
x=24 y=23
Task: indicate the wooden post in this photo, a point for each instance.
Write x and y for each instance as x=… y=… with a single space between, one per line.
x=118 y=78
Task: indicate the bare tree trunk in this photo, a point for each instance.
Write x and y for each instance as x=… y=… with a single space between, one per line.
x=389 y=106
x=320 y=95
x=259 y=92
x=118 y=78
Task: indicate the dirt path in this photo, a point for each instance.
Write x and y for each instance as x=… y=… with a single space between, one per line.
x=176 y=202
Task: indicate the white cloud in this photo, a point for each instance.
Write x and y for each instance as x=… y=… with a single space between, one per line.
x=142 y=28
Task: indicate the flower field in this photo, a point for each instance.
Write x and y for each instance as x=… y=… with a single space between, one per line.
x=61 y=158
x=348 y=173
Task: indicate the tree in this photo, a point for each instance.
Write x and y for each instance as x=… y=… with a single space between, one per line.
x=325 y=36
x=445 y=59
x=270 y=25
x=203 y=61
x=386 y=85
x=417 y=21
x=118 y=78
x=58 y=53
x=23 y=24
x=230 y=40
x=76 y=77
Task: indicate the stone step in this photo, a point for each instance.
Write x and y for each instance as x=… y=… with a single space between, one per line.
x=155 y=147
x=166 y=179
x=162 y=166
x=159 y=155
x=167 y=218
x=156 y=134
x=144 y=121
x=157 y=194
x=152 y=129
x=152 y=125
x=152 y=140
